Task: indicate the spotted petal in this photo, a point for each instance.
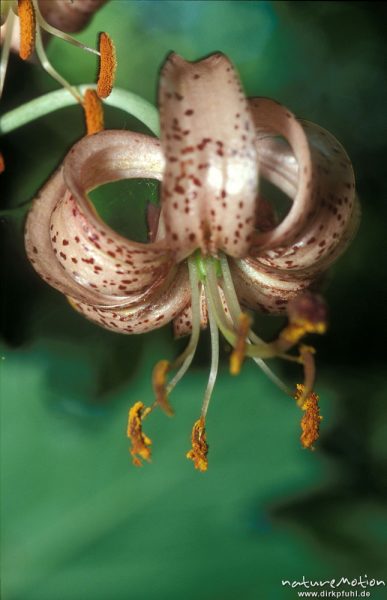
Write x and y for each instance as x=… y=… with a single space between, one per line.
x=327 y=206
x=266 y=289
x=68 y=243
x=154 y=308
x=271 y=118
x=327 y=209
x=210 y=179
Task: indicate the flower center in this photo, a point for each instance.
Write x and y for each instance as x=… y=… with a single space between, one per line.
x=212 y=286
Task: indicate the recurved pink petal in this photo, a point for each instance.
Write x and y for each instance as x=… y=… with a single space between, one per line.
x=269 y=278
x=271 y=118
x=39 y=246
x=265 y=289
x=68 y=243
x=152 y=311
x=331 y=224
x=208 y=138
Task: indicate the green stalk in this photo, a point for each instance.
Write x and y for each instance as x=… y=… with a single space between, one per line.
x=136 y=106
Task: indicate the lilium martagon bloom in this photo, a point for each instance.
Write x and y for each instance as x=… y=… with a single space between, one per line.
x=216 y=247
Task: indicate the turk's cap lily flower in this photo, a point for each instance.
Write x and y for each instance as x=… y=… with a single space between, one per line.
x=215 y=243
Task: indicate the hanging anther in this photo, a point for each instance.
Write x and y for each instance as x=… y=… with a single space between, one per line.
x=140 y=442
x=27 y=21
x=199 y=451
x=107 y=65
x=93 y=108
x=310 y=422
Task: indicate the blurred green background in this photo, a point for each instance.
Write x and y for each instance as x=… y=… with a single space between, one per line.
x=79 y=522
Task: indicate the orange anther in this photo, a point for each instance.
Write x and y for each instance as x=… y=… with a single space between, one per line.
x=199 y=451
x=140 y=442
x=92 y=106
x=310 y=422
x=107 y=65
x=27 y=21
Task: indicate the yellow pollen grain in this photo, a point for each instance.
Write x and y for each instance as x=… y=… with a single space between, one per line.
x=93 y=108
x=310 y=422
x=140 y=442
x=198 y=453
x=107 y=65
x=159 y=380
x=27 y=21
x=238 y=354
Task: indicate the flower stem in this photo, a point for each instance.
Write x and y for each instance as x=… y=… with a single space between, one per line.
x=126 y=101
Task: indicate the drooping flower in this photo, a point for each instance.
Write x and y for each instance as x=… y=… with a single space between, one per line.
x=216 y=246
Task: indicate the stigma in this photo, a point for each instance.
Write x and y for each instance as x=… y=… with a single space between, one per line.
x=215 y=303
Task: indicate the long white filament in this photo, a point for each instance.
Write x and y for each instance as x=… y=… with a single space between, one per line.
x=230 y=293
x=187 y=356
x=259 y=348
x=214 y=358
x=58 y=33
x=6 y=47
x=214 y=302
x=235 y=309
x=50 y=69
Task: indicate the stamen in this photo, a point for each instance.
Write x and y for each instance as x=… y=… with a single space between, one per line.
x=214 y=360
x=229 y=289
x=199 y=451
x=214 y=302
x=259 y=349
x=107 y=65
x=235 y=309
x=185 y=359
x=140 y=442
x=27 y=21
x=310 y=422
x=92 y=106
x=159 y=379
x=238 y=354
